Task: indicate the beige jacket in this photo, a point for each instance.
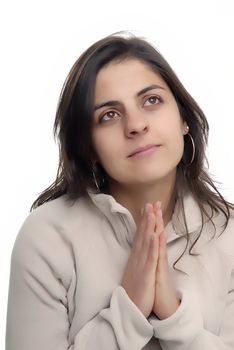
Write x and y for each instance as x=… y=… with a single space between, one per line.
x=66 y=270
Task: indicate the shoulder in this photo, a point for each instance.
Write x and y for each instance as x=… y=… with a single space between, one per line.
x=61 y=209
x=215 y=248
x=56 y=215
x=48 y=232
x=225 y=236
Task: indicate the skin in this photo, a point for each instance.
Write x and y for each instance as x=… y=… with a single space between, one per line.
x=147 y=278
x=141 y=182
x=137 y=122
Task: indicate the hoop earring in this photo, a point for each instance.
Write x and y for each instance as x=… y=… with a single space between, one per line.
x=95 y=180
x=98 y=175
x=194 y=149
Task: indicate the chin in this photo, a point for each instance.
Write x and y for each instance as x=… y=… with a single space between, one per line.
x=147 y=175
x=155 y=176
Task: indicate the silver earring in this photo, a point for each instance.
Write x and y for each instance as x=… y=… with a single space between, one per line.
x=193 y=145
x=95 y=179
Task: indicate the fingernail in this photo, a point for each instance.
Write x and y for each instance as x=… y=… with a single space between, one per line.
x=144 y=209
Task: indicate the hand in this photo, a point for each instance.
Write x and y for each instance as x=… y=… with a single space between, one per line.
x=166 y=300
x=140 y=273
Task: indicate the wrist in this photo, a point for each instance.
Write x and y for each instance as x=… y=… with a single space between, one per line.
x=169 y=310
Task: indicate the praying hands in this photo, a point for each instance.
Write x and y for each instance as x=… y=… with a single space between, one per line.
x=146 y=278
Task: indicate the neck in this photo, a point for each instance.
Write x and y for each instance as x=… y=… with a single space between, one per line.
x=134 y=198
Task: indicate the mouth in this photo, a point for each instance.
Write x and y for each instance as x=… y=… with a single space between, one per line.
x=142 y=151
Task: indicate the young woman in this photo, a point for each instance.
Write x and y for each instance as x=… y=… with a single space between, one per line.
x=132 y=246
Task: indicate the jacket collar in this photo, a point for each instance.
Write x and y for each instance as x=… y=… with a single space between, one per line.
x=174 y=229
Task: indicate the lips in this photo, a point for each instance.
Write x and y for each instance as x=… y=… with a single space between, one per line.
x=142 y=149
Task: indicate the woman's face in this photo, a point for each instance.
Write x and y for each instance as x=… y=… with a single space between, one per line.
x=134 y=119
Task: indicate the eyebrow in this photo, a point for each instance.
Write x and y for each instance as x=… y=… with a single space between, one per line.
x=139 y=93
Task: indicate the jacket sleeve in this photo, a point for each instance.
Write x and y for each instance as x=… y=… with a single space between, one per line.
x=184 y=329
x=37 y=316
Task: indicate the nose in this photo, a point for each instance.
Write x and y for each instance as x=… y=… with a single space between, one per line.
x=136 y=124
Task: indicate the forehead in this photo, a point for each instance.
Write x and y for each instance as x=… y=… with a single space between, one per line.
x=130 y=74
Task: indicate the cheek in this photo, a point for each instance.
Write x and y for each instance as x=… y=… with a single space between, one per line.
x=180 y=147
x=172 y=134
x=109 y=153
x=104 y=147
x=176 y=135
x=177 y=144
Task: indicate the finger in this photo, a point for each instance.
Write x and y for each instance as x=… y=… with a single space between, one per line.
x=148 y=208
x=163 y=265
x=147 y=238
x=159 y=221
x=162 y=255
x=153 y=252
x=138 y=240
x=157 y=205
x=162 y=246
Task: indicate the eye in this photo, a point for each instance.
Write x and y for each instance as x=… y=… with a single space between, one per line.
x=154 y=100
x=108 y=115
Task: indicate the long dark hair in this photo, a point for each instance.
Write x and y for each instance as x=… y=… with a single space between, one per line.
x=74 y=117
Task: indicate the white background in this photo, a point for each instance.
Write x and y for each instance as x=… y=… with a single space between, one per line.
x=40 y=40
